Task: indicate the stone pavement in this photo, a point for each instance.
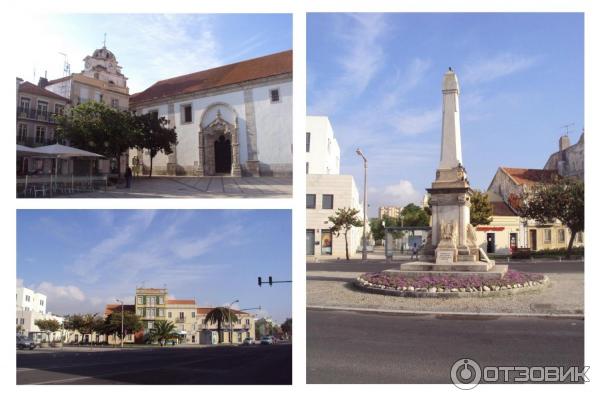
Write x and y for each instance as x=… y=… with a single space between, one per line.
x=328 y=285
x=193 y=187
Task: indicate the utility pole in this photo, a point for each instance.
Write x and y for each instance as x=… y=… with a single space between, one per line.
x=122 y=322
x=365 y=205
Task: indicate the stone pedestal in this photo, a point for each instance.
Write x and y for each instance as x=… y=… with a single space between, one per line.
x=253 y=168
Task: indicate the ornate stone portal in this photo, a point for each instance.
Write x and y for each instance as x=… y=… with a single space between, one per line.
x=211 y=139
x=452 y=246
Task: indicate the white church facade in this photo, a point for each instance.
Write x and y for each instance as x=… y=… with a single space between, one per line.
x=233 y=120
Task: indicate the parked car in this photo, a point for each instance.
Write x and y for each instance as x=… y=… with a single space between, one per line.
x=24 y=342
x=248 y=342
x=266 y=340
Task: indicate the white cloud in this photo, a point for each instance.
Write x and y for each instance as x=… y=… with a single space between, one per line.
x=397 y=194
x=491 y=68
x=415 y=122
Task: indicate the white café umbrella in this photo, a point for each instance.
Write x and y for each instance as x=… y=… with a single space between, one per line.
x=61 y=151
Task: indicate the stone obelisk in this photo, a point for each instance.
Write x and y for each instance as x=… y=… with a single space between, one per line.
x=452 y=246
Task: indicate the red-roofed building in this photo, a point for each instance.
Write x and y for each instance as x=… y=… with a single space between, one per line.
x=234 y=119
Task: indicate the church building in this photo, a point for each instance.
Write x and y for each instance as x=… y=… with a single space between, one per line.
x=233 y=120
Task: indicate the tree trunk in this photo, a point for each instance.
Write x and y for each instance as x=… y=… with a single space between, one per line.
x=346 y=240
x=151 y=159
x=570 y=247
x=219 y=331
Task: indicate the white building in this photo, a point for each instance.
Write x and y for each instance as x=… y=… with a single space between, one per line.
x=31 y=306
x=322 y=149
x=327 y=191
x=234 y=120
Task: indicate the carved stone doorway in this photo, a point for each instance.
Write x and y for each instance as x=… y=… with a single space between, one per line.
x=222 y=155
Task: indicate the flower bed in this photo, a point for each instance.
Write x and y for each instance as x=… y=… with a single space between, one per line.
x=449 y=283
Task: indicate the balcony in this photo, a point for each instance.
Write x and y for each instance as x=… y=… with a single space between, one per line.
x=31 y=142
x=35 y=115
x=180 y=320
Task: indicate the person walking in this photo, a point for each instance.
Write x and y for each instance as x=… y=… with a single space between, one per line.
x=414 y=251
x=128 y=177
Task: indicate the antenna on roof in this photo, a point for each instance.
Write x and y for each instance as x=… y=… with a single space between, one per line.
x=104 y=44
x=66 y=65
x=567 y=127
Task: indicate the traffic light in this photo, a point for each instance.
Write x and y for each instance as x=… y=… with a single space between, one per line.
x=270 y=281
x=259 y=281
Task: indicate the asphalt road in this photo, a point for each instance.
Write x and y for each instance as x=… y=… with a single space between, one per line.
x=350 y=347
x=264 y=365
x=379 y=265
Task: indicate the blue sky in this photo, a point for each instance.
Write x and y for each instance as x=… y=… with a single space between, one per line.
x=84 y=259
x=149 y=47
x=378 y=77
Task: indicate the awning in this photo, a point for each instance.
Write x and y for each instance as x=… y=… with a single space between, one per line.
x=28 y=151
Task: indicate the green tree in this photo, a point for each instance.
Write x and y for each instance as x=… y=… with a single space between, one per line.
x=413 y=215
x=131 y=324
x=163 y=330
x=88 y=324
x=20 y=329
x=220 y=315
x=47 y=325
x=481 y=208
x=154 y=135
x=98 y=128
x=562 y=200
x=262 y=327
x=344 y=220
x=286 y=327
x=377 y=228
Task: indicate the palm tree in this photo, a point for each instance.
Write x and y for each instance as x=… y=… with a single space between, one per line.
x=163 y=330
x=220 y=315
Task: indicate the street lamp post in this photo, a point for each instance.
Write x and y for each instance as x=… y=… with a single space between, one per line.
x=230 y=327
x=122 y=322
x=365 y=205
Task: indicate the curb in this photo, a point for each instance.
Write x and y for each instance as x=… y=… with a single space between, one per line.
x=446 y=313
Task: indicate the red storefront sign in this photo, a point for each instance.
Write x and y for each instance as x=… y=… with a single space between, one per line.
x=490 y=228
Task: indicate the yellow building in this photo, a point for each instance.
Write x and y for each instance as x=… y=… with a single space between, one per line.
x=182 y=313
x=234 y=333
x=150 y=306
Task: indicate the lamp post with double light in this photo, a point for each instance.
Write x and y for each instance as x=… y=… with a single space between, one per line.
x=230 y=326
x=122 y=321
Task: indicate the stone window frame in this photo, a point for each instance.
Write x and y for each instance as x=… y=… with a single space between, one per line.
x=308 y=142
x=43 y=135
x=323 y=202
x=314 y=203
x=547 y=235
x=140 y=299
x=182 y=120
x=28 y=102
x=59 y=109
x=22 y=133
x=41 y=103
x=275 y=89
x=561 y=235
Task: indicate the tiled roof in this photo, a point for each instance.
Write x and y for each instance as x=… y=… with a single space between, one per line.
x=177 y=301
x=257 y=68
x=501 y=209
x=110 y=308
x=28 y=87
x=528 y=176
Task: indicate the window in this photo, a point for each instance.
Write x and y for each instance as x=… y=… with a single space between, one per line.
x=311 y=200
x=152 y=300
x=154 y=112
x=308 y=142
x=161 y=300
x=274 y=95
x=59 y=109
x=328 y=145
x=22 y=132
x=22 y=321
x=96 y=75
x=140 y=299
x=561 y=235
x=181 y=315
x=327 y=201
x=27 y=298
x=170 y=315
x=151 y=312
x=161 y=312
x=193 y=314
x=42 y=107
x=140 y=311
x=307 y=168
x=186 y=113
x=326 y=242
x=25 y=102
x=41 y=302
x=114 y=103
x=547 y=235
x=150 y=324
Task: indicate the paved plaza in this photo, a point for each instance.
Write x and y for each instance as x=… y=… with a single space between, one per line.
x=194 y=187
